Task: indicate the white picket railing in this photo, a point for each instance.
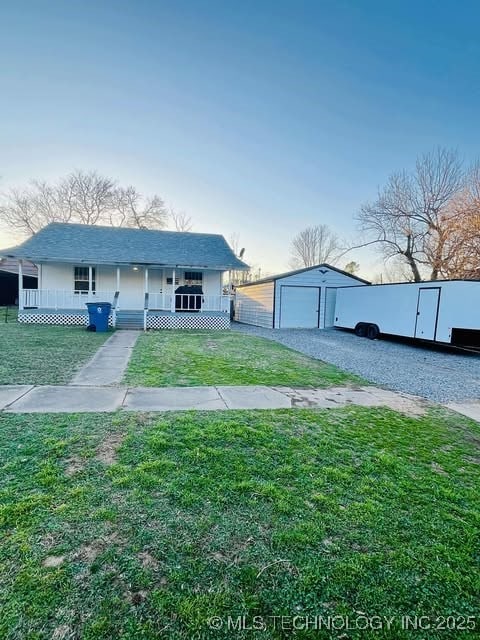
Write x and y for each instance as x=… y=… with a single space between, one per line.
x=160 y=301
x=62 y=299
x=188 y=302
x=68 y=299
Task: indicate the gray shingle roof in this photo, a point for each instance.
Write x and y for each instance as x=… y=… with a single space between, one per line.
x=77 y=243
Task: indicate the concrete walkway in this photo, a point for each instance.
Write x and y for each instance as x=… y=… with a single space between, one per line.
x=80 y=398
x=471 y=409
x=110 y=361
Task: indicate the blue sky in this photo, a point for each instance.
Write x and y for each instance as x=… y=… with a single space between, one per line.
x=257 y=118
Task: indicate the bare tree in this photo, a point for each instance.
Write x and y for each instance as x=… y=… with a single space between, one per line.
x=89 y=197
x=81 y=197
x=314 y=245
x=407 y=218
x=131 y=209
x=395 y=270
x=236 y=276
x=181 y=220
x=460 y=250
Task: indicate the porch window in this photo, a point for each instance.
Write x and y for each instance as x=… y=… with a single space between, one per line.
x=81 y=279
x=170 y=280
x=193 y=277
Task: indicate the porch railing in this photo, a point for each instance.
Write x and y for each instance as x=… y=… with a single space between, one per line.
x=160 y=301
x=62 y=299
x=188 y=302
x=68 y=299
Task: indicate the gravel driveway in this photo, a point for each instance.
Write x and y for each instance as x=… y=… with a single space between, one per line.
x=439 y=375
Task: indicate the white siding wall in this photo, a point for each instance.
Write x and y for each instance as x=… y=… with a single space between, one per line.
x=254 y=304
x=212 y=283
x=57 y=276
x=314 y=278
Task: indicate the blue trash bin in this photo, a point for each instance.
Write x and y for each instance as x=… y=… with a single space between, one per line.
x=98 y=314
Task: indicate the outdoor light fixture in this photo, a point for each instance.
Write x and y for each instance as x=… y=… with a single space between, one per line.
x=135 y=268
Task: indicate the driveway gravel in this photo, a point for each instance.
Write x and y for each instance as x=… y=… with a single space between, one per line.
x=436 y=374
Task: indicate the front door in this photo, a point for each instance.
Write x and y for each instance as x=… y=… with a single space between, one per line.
x=299 y=307
x=427 y=311
x=132 y=288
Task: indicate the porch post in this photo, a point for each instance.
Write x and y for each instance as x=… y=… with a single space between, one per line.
x=172 y=308
x=89 y=281
x=118 y=279
x=20 y=285
x=146 y=279
x=228 y=304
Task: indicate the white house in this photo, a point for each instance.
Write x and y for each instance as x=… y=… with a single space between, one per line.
x=304 y=298
x=154 y=279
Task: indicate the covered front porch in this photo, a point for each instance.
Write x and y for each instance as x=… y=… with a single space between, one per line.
x=142 y=296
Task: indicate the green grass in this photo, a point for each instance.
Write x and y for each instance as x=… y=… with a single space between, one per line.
x=8 y=314
x=190 y=358
x=36 y=354
x=269 y=513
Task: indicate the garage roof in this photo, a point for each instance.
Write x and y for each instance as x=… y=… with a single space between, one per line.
x=279 y=276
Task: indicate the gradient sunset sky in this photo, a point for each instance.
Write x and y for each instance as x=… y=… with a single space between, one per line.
x=257 y=118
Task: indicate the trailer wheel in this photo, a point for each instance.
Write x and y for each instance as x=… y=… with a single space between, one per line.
x=373 y=332
x=361 y=330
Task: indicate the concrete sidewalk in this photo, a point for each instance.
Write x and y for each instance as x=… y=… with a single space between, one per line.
x=110 y=361
x=82 y=399
x=469 y=408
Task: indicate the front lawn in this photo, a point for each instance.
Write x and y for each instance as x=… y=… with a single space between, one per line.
x=36 y=354
x=145 y=526
x=191 y=358
x=8 y=314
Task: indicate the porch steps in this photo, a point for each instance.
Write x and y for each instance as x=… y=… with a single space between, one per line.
x=129 y=319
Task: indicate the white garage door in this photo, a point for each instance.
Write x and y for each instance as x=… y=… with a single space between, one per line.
x=299 y=307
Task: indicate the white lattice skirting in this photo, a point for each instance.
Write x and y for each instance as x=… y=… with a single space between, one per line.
x=57 y=318
x=190 y=321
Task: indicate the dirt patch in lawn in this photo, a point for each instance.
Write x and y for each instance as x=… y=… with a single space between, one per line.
x=147 y=560
x=88 y=552
x=51 y=562
x=74 y=465
x=63 y=632
x=107 y=449
x=436 y=468
x=136 y=597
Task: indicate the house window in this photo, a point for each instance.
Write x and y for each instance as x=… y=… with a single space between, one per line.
x=81 y=279
x=170 y=281
x=193 y=277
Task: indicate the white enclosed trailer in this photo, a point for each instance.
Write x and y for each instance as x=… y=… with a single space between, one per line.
x=443 y=311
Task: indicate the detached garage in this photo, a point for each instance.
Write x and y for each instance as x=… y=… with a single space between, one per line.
x=298 y=299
